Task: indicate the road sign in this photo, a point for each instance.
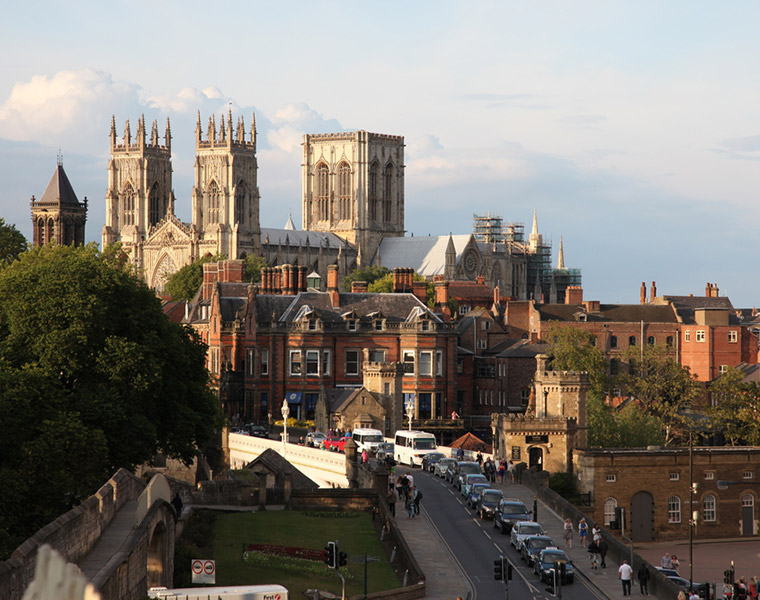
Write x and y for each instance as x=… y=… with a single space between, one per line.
x=204 y=570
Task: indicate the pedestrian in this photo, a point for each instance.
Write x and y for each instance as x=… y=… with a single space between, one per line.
x=740 y=589
x=365 y=457
x=460 y=453
x=693 y=594
x=568 y=533
x=644 y=576
x=681 y=596
x=402 y=485
x=624 y=575
x=416 y=499
x=596 y=533
x=511 y=471
x=177 y=504
x=502 y=470
x=753 y=588
x=409 y=505
x=603 y=547
x=666 y=562
x=674 y=562
x=479 y=459
x=593 y=553
x=391 y=497
x=582 y=531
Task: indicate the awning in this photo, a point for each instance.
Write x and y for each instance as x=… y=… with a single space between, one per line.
x=293 y=397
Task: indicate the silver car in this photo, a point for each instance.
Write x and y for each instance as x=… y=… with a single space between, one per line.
x=442 y=465
x=523 y=529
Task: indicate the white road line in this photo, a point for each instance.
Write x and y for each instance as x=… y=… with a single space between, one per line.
x=498 y=548
x=485 y=533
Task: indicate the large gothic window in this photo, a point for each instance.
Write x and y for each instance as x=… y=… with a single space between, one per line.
x=323 y=192
x=154 y=205
x=387 y=192
x=213 y=202
x=344 y=191
x=240 y=202
x=129 y=205
x=374 y=197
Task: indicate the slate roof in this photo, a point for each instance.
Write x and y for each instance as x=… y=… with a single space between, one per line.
x=294 y=237
x=426 y=255
x=339 y=398
x=517 y=348
x=611 y=313
x=686 y=305
x=59 y=189
x=278 y=465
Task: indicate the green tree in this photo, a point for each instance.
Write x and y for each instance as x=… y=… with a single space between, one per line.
x=12 y=242
x=253 y=266
x=625 y=427
x=368 y=274
x=185 y=283
x=93 y=377
x=735 y=409
x=574 y=349
x=384 y=285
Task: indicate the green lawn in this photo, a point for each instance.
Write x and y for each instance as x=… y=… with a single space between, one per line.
x=233 y=532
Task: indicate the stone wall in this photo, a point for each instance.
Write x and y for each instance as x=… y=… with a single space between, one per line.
x=72 y=535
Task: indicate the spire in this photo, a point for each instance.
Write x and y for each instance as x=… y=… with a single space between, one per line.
x=127 y=134
x=222 y=131
x=229 y=123
x=241 y=130
x=561 y=257
x=535 y=238
x=113 y=132
x=253 y=129
x=289 y=225
x=154 y=134
x=168 y=134
x=198 y=128
x=141 y=131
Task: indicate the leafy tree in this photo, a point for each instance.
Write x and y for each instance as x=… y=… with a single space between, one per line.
x=384 y=285
x=93 y=377
x=253 y=266
x=12 y=242
x=574 y=349
x=368 y=274
x=184 y=284
x=662 y=387
x=626 y=427
x=736 y=408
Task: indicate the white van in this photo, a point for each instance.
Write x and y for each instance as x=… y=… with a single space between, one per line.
x=411 y=446
x=367 y=439
x=232 y=592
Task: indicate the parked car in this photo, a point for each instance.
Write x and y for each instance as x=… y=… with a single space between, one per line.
x=442 y=466
x=429 y=460
x=510 y=511
x=315 y=439
x=256 y=430
x=488 y=502
x=335 y=444
x=547 y=560
x=462 y=469
x=523 y=529
x=683 y=584
x=474 y=494
x=385 y=452
x=469 y=480
x=532 y=545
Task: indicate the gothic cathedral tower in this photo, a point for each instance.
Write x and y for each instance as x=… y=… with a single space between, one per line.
x=226 y=192
x=139 y=192
x=353 y=186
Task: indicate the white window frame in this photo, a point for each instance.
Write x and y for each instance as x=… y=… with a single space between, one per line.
x=700 y=337
x=439 y=363
x=709 y=475
x=675 y=476
x=722 y=369
x=264 y=361
x=352 y=325
x=410 y=366
x=426 y=363
x=687 y=335
x=326 y=362
x=748 y=475
x=357 y=361
x=674 y=509
x=610 y=504
x=733 y=337
x=610 y=478
x=312 y=363
x=295 y=364
x=709 y=508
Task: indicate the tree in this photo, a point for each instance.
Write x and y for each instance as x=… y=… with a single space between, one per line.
x=12 y=242
x=368 y=274
x=735 y=408
x=662 y=387
x=253 y=266
x=574 y=349
x=184 y=284
x=384 y=285
x=93 y=377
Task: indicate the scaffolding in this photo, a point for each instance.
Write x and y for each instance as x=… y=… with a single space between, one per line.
x=491 y=229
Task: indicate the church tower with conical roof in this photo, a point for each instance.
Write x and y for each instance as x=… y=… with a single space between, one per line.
x=58 y=217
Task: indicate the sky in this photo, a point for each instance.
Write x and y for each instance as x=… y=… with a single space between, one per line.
x=631 y=128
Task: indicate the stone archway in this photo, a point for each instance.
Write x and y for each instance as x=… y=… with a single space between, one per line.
x=157 y=556
x=536 y=457
x=165 y=268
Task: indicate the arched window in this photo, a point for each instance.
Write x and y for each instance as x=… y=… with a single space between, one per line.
x=387 y=192
x=154 y=205
x=40 y=234
x=674 y=509
x=128 y=205
x=613 y=341
x=213 y=202
x=374 y=196
x=610 y=504
x=344 y=191
x=323 y=192
x=240 y=194
x=709 y=511
x=748 y=500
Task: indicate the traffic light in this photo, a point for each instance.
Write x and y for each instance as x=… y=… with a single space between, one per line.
x=703 y=590
x=509 y=571
x=331 y=554
x=498 y=569
x=728 y=576
x=562 y=568
x=341 y=558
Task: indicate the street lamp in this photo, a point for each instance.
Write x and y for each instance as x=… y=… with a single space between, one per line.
x=410 y=411
x=285 y=415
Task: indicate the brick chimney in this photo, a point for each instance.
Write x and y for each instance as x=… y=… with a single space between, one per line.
x=210 y=275
x=574 y=294
x=231 y=271
x=301 y=279
x=643 y=293
x=653 y=292
x=359 y=287
x=441 y=287
x=711 y=290
x=419 y=288
x=592 y=306
x=277 y=281
x=332 y=284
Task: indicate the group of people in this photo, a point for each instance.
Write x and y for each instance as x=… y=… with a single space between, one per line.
x=743 y=590
x=405 y=489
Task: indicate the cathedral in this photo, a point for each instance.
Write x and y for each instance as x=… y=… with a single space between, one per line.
x=352 y=212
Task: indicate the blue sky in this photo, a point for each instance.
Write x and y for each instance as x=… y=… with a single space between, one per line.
x=632 y=128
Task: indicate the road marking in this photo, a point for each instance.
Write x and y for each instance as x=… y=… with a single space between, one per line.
x=486 y=534
x=498 y=548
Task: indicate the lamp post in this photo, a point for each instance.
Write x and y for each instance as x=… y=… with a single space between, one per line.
x=410 y=411
x=285 y=415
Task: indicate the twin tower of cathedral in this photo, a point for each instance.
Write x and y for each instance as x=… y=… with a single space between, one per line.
x=353 y=187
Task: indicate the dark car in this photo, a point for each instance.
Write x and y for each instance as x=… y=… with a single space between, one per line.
x=488 y=503
x=429 y=461
x=256 y=430
x=546 y=563
x=474 y=494
x=533 y=545
x=510 y=511
x=464 y=468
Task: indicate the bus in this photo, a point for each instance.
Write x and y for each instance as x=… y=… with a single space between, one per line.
x=367 y=439
x=411 y=446
x=231 y=592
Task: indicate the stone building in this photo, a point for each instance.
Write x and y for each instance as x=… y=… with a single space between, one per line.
x=58 y=217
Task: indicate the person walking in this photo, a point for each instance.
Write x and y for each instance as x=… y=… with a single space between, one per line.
x=409 y=505
x=502 y=470
x=603 y=547
x=753 y=588
x=582 y=531
x=593 y=553
x=666 y=562
x=624 y=575
x=568 y=533
x=643 y=575
x=416 y=499
x=391 y=498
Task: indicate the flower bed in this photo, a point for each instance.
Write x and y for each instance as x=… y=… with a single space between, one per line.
x=273 y=549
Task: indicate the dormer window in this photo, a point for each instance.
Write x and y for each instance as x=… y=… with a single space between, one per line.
x=378 y=325
x=582 y=317
x=352 y=325
x=312 y=324
x=425 y=325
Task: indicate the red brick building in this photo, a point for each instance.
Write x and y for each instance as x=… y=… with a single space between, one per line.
x=280 y=341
